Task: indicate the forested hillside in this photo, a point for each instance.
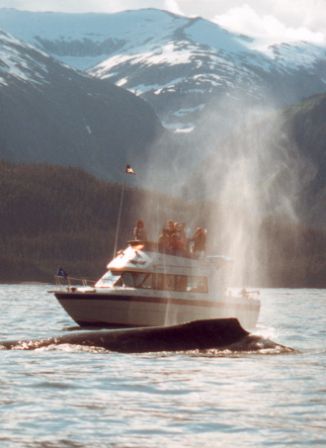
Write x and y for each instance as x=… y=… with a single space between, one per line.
x=306 y=125
x=54 y=216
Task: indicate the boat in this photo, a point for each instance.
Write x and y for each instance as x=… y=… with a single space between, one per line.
x=144 y=286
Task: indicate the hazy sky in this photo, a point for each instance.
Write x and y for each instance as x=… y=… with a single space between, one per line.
x=273 y=20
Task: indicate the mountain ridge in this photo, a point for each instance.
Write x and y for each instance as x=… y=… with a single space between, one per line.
x=52 y=113
x=86 y=120
x=177 y=64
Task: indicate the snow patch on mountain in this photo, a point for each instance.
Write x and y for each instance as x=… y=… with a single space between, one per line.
x=133 y=28
x=140 y=89
x=186 y=111
x=170 y=53
x=179 y=127
x=173 y=62
x=16 y=61
x=172 y=84
x=121 y=82
x=298 y=55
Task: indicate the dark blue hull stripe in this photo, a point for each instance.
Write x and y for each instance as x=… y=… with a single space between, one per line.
x=202 y=303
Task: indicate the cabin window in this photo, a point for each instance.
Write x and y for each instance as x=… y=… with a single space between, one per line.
x=110 y=279
x=143 y=280
x=168 y=282
x=137 y=279
x=128 y=279
x=181 y=283
x=197 y=284
x=164 y=282
x=147 y=282
x=158 y=281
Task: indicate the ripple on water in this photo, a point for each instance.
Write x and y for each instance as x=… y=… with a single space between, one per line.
x=75 y=396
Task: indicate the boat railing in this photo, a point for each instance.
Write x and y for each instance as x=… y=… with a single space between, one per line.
x=73 y=282
x=152 y=246
x=244 y=293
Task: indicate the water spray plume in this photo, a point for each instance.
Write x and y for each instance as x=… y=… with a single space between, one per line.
x=243 y=175
x=260 y=179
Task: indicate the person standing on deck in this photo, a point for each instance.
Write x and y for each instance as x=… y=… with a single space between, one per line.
x=139 y=232
x=199 y=242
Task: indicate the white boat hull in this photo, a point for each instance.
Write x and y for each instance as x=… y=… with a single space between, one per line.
x=130 y=310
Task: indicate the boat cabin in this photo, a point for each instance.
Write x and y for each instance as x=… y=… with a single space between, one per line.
x=142 y=266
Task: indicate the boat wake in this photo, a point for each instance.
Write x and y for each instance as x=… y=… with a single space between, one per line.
x=217 y=337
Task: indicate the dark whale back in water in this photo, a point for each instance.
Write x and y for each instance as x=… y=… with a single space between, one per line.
x=197 y=335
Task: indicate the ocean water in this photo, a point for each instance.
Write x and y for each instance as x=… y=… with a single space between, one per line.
x=77 y=397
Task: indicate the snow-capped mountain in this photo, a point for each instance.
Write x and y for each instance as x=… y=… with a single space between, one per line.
x=16 y=65
x=184 y=67
x=51 y=113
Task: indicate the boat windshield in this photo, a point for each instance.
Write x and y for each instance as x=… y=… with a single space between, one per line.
x=129 y=279
x=110 y=279
x=136 y=279
x=148 y=280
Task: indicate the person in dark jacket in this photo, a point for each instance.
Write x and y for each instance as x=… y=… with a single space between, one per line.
x=139 y=232
x=199 y=241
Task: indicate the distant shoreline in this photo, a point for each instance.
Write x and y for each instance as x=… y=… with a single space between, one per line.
x=25 y=283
